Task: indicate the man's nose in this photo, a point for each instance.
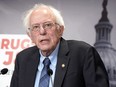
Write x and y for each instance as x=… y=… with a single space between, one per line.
x=42 y=30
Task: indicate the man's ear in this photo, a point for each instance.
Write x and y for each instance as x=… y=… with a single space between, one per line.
x=29 y=34
x=61 y=30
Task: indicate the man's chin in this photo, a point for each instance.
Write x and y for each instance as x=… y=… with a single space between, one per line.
x=44 y=49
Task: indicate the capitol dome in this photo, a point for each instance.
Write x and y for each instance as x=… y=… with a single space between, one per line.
x=104 y=46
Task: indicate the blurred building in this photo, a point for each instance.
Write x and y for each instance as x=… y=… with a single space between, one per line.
x=104 y=46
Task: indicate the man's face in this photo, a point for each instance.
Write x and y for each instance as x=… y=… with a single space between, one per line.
x=44 y=32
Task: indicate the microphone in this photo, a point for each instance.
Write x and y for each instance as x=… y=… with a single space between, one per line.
x=50 y=72
x=4 y=71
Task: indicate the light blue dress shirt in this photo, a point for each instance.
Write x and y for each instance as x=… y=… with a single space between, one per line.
x=53 y=59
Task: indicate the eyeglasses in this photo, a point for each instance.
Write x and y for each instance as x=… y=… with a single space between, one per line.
x=45 y=26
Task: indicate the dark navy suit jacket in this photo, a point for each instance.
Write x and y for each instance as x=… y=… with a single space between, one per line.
x=83 y=66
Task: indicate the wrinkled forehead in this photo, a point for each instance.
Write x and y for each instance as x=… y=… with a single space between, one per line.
x=42 y=13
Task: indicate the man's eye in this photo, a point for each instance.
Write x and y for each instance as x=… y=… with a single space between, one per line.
x=35 y=27
x=48 y=25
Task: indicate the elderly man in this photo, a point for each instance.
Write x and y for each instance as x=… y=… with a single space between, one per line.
x=54 y=61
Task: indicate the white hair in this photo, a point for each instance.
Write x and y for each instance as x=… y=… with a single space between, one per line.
x=56 y=14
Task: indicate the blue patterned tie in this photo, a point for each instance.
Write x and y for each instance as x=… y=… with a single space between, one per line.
x=44 y=78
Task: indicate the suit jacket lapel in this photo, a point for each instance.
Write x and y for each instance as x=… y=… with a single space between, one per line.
x=62 y=63
x=31 y=69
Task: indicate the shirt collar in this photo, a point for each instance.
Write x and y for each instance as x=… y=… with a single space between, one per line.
x=52 y=56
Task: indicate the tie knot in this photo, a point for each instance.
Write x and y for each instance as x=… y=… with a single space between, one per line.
x=46 y=62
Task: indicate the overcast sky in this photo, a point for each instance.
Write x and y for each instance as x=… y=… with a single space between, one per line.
x=80 y=17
